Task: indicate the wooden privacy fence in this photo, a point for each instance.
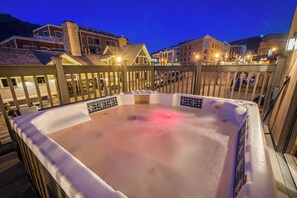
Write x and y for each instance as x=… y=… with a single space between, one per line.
x=47 y=86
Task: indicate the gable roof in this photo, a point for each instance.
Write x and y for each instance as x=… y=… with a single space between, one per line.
x=128 y=53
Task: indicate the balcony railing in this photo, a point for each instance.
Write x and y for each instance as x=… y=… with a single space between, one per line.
x=48 y=86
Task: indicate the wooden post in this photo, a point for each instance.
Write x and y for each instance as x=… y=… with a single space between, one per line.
x=124 y=78
x=197 y=79
x=153 y=79
x=61 y=81
x=275 y=82
x=6 y=119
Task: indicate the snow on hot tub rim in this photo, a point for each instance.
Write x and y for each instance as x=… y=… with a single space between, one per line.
x=40 y=144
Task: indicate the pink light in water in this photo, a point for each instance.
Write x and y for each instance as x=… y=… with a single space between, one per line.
x=168 y=114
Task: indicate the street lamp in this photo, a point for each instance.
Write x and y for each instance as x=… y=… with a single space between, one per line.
x=119 y=59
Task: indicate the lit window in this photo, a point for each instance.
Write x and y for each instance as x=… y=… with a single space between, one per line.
x=40 y=79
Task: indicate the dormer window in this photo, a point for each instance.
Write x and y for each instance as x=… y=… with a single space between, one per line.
x=45 y=33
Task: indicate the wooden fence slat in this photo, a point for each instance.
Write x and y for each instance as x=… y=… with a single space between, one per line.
x=73 y=87
x=81 y=86
x=38 y=92
x=26 y=91
x=87 y=85
x=247 y=85
x=233 y=84
x=10 y=84
x=94 y=85
x=255 y=86
x=49 y=93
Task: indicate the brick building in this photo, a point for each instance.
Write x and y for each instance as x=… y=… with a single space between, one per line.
x=57 y=38
x=207 y=49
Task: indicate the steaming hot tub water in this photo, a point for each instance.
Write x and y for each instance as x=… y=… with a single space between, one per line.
x=176 y=145
x=156 y=151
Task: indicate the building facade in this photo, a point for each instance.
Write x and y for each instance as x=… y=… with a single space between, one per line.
x=206 y=49
x=58 y=38
x=168 y=56
x=273 y=45
x=237 y=52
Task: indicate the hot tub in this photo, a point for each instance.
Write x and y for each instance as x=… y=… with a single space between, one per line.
x=147 y=144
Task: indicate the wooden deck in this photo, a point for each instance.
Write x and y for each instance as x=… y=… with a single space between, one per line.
x=14 y=181
x=4 y=135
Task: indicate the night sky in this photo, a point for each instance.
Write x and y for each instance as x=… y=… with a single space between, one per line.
x=162 y=23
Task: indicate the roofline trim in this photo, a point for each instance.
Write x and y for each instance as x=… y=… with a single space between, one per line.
x=48 y=24
x=116 y=37
x=31 y=39
x=6 y=40
x=143 y=47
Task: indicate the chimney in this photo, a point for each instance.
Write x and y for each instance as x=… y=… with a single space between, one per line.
x=71 y=38
x=123 y=41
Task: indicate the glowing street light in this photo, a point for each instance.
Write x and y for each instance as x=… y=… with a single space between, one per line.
x=119 y=59
x=217 y=55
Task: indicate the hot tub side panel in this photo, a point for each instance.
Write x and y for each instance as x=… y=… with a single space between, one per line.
x=63 y=171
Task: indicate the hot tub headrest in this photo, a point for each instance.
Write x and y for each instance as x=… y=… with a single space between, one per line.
x=234 y=113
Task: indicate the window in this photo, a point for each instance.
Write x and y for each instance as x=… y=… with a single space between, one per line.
x=112 y=43
x=145 y=60
x=29 y=47
x=190 y=47
x=45 y=33
x=204 y=58
x=58 y=49
x=93 y=41
x=58 y=34
x=44 y=48
x=137 y=60
x=205 y=51
x=94 y=50
x=40 y=79
x=5 y=82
